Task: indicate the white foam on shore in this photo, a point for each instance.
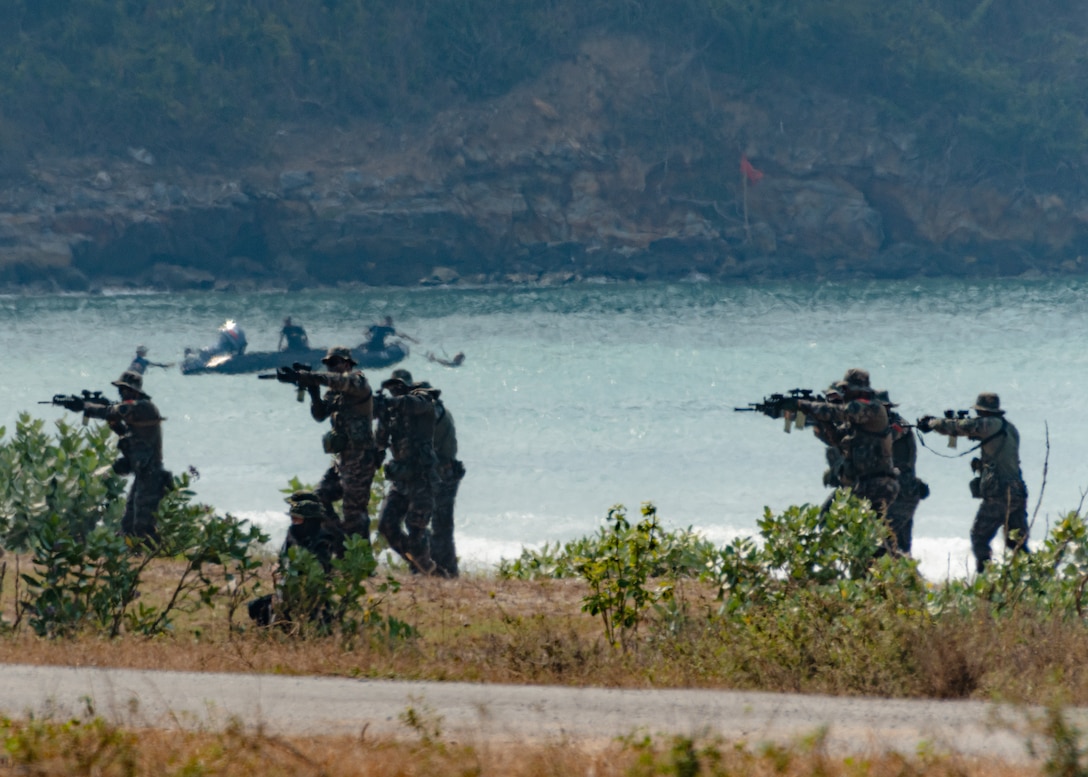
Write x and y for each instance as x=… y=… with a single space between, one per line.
x=939 y=558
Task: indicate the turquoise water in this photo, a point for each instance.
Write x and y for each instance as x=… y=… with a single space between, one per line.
x=574 y=399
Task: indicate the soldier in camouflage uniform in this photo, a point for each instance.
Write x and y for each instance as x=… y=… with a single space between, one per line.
x=349 y=403
x=406 y=427
x=911 y=488
x=137 y=422
x=309 y=530
x=450 y=473
x=866 y=442
x=999 y=484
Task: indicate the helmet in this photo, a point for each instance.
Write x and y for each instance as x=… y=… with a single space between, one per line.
x=988 y=402
x=402 y=374
x=131 y=380
x=339 y=352
x=305 y=505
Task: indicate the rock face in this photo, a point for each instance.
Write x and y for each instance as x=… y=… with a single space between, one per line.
x=624 y=163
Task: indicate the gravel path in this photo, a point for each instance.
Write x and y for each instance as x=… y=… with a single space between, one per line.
x=505 y=713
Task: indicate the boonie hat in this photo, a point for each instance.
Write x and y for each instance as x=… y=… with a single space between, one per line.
x=988 y=402
x=403 y=375
x=131 y=380
x=856 y=377
x=339 y=352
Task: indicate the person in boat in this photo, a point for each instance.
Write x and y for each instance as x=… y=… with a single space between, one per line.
x=457 y=360
x=231 y=342
x=232 y=338
x=140 y=363
x=378 y=333
x=293 y=337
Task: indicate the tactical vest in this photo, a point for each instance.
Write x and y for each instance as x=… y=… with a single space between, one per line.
x=353 y=418
x=141 y=435
x=411 y=434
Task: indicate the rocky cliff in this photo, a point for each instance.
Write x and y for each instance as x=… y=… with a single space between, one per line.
x=623 y=164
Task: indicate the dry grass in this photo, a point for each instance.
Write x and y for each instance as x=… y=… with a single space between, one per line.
x=44 y=749
x=483 y=629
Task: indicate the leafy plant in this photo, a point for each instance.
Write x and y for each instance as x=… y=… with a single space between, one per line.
x=619 y=572
x=89 y=580
x=312 y=600
x=67 y=476
x=682 y=553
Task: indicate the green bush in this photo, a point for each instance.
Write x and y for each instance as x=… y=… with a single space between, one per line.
x=61 y=502
x=682 y=553
x=312 y=601
x=618 y=571
x=91 y=583
x=67 y=477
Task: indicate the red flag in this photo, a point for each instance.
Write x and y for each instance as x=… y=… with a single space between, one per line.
x=749 y=172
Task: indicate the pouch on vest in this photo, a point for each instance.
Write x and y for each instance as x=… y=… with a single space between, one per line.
x=334 y=442
x=976 y=488
x=399 y=470
x=990 y=486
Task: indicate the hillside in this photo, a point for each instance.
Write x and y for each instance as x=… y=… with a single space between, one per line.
x=219 y=145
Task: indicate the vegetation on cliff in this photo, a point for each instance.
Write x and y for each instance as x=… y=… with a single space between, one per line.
x=193 y=77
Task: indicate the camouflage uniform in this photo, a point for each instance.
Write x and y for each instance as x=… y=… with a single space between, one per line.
x=349 y=403
x=866 y=443
x=450 y=473
x=911 y=488
x=406 y=426
x=138 y=423
x=309 y=530
x=1000 y=484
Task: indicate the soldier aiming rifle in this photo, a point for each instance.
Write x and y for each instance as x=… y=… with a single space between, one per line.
x=137 y=423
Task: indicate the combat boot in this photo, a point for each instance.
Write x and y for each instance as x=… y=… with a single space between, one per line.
x=418 y=553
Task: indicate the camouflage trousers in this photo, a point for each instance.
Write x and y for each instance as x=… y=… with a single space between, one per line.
x=409 y=505
x=350 y=478
x=1009 y=514
x=149 y=485
x=443 y=550
x=900 y=520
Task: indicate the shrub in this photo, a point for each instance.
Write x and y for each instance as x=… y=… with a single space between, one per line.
x=67 y=477
x=682 y=553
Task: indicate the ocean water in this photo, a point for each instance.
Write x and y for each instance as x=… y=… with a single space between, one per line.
x=574 y=399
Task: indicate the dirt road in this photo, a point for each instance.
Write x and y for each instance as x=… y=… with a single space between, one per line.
x=503 y=713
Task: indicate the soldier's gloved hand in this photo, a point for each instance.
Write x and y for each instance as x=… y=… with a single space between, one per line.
x=286 y=375
x=926 y=422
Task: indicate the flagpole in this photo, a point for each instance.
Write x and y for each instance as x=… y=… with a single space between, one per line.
x=744 y=197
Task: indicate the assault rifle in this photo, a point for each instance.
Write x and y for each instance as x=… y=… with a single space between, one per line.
x=773 y=406
x=958 y=415
x=77 y=404
x=298 y=374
